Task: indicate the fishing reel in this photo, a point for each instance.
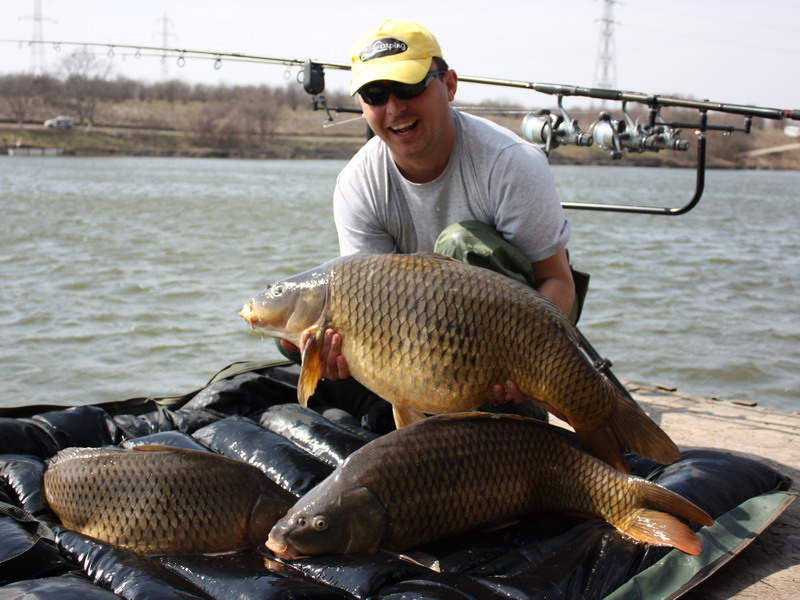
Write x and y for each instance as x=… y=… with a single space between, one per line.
x=612 y=135
x=549 y=131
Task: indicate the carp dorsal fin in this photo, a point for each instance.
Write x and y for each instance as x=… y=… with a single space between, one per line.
x=310 y=369
x=153 y=448
x=437 y=256
x=404 y=415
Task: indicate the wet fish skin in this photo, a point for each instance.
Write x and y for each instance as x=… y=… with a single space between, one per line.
x=159 y=500
x=458 y=472
x=432 y=335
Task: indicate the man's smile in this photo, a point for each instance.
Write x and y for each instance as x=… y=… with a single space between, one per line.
x=404 y=128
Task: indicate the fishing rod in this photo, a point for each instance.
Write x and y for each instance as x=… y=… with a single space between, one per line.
x=560 y=90
x=544 y=128
x=180 y=53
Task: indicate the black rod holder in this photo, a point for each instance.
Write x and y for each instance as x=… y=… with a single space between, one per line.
x=700 y=182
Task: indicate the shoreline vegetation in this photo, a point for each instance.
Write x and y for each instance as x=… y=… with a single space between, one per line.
x=130 y=118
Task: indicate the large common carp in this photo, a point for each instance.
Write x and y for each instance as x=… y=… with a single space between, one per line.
x=163 y=500
x=452 y=473
x=432 y=335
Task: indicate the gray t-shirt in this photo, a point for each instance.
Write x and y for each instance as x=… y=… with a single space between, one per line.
x=493 y=176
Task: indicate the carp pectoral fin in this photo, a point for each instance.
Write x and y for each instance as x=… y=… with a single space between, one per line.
x=310 y=369
x=417 y=558
x=661 y=529
x=406 y=416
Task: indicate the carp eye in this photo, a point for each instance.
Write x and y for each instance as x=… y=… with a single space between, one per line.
x=320 y=523
x=277 y=290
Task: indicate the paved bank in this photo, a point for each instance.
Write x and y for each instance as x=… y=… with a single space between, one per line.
x=770 y=566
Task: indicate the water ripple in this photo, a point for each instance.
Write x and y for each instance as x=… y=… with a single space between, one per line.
x=122 y=277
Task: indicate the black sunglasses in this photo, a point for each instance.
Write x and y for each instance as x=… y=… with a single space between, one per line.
x=377 y=94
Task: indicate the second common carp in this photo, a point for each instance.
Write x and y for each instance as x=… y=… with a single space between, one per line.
x=432 y=335
x=159 y=500
x=454 y=473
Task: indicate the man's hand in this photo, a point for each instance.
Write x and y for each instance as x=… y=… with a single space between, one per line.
x=508 y=392
x=332 y=364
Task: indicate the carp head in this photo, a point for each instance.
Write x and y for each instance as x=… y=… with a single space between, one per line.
x=322 y=522
x=286 y=308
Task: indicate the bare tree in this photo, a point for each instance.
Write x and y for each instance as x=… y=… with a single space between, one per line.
x=216 y=127
x=293 y=95
x=260 y=109
x=85 y=77
x=19 y=93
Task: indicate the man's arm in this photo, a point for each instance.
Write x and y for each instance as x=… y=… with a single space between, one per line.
x=552 y=277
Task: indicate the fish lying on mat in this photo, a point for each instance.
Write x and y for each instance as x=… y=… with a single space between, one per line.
x=432 y=335
x=163 y=500
x=453 y=473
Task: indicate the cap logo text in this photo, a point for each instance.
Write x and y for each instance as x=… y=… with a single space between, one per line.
x=385 y=46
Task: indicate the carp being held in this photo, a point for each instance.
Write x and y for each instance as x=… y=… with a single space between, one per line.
x=160 y=500
x=452 y=473
x=432 y=335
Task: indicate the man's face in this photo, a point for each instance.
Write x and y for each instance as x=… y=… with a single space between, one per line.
x=415 y=129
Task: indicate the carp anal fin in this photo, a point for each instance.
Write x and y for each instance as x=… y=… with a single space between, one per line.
x=310 y=368
x=404 y=415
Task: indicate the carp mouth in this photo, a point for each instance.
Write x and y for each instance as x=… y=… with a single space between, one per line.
x=282 y=549
x=248 y=314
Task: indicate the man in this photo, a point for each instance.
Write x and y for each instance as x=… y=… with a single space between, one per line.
x=430 y=167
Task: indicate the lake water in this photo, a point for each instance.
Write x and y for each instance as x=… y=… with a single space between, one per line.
x=122 y=277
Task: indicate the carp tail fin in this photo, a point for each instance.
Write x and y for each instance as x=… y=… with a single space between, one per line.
x=661 y=529
x=658 y=522
x=628 y=428
x=639 y=433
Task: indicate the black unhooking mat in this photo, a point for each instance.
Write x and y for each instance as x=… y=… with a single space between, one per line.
x=253 y=416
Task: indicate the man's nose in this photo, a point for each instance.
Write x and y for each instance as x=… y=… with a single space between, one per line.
x=395 y=105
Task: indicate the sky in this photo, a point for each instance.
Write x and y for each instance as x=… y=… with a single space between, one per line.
x=730 y=51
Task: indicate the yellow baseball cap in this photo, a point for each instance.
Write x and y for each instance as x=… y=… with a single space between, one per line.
x=395 y=50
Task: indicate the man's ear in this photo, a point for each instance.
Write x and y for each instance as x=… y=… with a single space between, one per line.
x=451 y=81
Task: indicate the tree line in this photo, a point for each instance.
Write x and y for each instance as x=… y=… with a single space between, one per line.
x=217 y=116
x=83 y=84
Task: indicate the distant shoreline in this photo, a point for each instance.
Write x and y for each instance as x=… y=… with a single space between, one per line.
x=312 y=141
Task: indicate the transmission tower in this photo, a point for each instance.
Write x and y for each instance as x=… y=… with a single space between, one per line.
x=165 y=35
x=605 y=70
x=38 y=66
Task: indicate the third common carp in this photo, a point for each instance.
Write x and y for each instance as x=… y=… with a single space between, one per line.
x=163 y=500
x=453 y=473
x=432 y=335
